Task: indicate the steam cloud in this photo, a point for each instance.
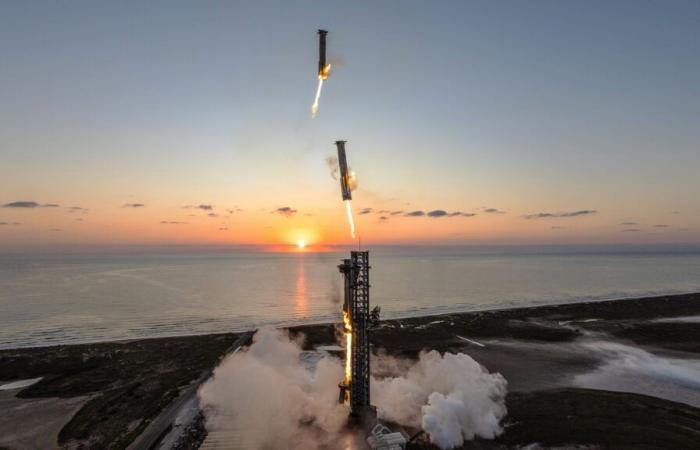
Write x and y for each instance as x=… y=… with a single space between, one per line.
x=269 y=398
x=451 y=396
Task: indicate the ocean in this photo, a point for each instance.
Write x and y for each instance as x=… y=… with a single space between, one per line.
x=50 y=299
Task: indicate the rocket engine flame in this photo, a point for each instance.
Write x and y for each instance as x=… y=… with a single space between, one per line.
x=347 y=329
x=314 y=105
x=322 y=75
x=351 y=221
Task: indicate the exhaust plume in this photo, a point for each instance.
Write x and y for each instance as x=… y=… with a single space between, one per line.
x=269 y=398
x=323 y=75
x=351 y=220
x=451 y=397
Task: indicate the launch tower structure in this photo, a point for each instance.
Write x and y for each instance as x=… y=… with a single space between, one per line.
x=356 y=304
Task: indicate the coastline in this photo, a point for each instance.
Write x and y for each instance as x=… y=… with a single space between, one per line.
x=411 y=315
x=542 y=351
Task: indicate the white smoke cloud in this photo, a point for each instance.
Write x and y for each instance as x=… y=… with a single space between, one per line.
x=451 y=396
x=269 y=398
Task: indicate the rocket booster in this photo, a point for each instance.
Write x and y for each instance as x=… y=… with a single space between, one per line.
x=344 y=176
x=322 y=53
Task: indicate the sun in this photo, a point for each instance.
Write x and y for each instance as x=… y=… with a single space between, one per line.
x=301 y=244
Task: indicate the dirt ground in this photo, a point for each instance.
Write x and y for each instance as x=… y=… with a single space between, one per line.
x=115 y=389
x=34 y=423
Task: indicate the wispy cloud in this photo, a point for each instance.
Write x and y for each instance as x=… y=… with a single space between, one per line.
x=437 y=213
x=77 y=209
x=493 y=211
x=629 y=224
x=29 y=204
x=365 y=211
x=546 y=215
x=661 y=225
x=223 y=229
x=172 y=222
x=631 y=230
x=133 y=205
x=383 y=218
x=202 y=206
x=9 y=223
x=396 y=213
x=285 y=211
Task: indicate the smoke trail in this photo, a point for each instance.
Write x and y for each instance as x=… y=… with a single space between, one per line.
x=314 y=106
x=351 y=221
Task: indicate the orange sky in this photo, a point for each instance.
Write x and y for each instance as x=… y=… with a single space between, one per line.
x=559 y=135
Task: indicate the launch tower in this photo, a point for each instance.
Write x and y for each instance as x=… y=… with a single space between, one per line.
x=357 y=315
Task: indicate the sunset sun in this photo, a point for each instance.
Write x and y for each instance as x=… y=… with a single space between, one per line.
x=301 y=244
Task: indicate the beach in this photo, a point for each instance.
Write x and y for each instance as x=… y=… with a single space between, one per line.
x=611 y=374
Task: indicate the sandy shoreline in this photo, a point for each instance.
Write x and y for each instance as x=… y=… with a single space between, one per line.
x=564 y=352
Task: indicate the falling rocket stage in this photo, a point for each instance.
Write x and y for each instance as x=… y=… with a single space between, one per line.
x=358 y=319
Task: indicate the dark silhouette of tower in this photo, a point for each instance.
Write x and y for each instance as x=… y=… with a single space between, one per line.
x=356 y=306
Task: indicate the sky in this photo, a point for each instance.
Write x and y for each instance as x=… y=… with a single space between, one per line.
x=467 y=122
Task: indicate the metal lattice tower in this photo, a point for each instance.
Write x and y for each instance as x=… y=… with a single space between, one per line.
x=356 y=273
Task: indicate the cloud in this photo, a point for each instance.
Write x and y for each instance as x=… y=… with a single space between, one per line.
x=9 y=223
x=384 y=211
x=365 y=211
x=285 y=211
x=383 y=218
x=395 y=213
x=213 y=215
x=661 y=225
x=28 y=204
x=493 y=211
x=556 y=227
x=629 y=223
x=172 y=222
x=436 y=213
x=77 y=209
x=545 y=215
x=630 y=230
x=133 y=205
x=201 y=206
x=223 y=229
x=55 y=229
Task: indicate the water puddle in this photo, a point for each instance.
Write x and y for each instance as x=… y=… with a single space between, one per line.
x=631 y=369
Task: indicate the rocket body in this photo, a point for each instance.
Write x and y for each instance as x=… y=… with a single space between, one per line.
x=344 y=176
x=322 y=53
